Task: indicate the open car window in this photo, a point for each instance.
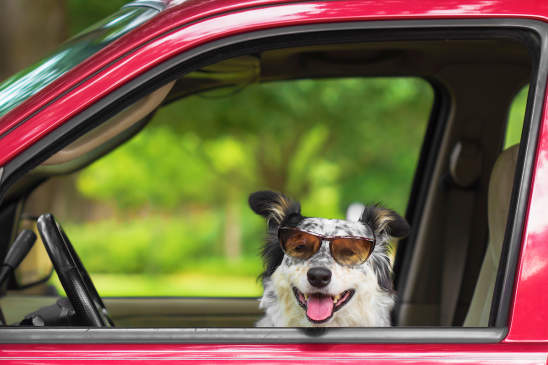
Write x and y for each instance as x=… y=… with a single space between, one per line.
x=166 y=214
x=349 y=134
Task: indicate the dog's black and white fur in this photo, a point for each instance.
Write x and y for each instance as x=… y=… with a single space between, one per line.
x=362 y=294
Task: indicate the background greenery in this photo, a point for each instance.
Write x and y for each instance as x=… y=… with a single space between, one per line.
x=166 y=213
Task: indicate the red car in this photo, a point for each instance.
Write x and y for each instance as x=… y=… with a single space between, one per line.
x=471 y=277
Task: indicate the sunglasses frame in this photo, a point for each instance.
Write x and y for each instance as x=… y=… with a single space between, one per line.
x=330 y=240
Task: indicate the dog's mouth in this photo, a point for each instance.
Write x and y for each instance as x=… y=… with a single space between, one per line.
x=320 y=307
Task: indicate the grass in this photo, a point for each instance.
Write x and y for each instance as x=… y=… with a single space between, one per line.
x=185 y=284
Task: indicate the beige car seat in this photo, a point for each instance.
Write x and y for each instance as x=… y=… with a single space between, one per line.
x=500 y=190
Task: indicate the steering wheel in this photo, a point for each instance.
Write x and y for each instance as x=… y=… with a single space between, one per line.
x=88 y=305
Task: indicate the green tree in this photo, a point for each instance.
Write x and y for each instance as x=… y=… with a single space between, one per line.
x=296 y=137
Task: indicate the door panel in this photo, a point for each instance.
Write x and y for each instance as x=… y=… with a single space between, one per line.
x=154 y=312
x=183 y=312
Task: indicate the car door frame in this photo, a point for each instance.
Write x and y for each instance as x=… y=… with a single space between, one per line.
x=216 y=50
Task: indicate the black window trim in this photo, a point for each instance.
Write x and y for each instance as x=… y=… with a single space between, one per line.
x=439 y=114
x=510 y=251
x=220 y=49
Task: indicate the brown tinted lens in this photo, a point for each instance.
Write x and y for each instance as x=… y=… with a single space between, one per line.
x=299 y=244
x=350 y=251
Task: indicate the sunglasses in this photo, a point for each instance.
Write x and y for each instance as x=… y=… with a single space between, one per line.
x=348 y=251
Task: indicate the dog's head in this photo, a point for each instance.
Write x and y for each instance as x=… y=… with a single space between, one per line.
x=320 y=287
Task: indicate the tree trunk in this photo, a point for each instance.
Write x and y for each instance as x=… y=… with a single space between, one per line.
x=29 y=30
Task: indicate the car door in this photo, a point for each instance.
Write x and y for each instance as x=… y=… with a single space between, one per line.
x=206 y=34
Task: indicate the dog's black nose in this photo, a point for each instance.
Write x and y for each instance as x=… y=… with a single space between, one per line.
x=319 y=276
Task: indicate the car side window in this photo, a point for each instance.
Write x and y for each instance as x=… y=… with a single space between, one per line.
x=167 y=214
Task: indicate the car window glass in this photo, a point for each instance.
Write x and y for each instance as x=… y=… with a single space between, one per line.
x=515 y=118
x=167 y=214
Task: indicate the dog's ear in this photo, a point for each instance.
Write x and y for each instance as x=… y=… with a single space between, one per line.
x=383 y=220
x=273 y=206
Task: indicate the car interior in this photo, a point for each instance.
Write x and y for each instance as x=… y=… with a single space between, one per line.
x=445 y=271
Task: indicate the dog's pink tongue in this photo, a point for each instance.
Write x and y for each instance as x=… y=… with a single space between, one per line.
x=319 y=307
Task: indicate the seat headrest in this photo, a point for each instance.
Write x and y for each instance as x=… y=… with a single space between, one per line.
x=500 y=191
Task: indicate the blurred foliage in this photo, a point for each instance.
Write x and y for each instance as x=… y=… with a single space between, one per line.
x=327 y=143
x=345 y=140
x=515 y=118
x=159 y=244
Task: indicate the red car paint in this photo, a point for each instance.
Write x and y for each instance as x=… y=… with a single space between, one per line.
x=182 y=27
x=499 y=354
x=531 y=286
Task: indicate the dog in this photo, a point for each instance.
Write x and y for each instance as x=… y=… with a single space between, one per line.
x=322 y=272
